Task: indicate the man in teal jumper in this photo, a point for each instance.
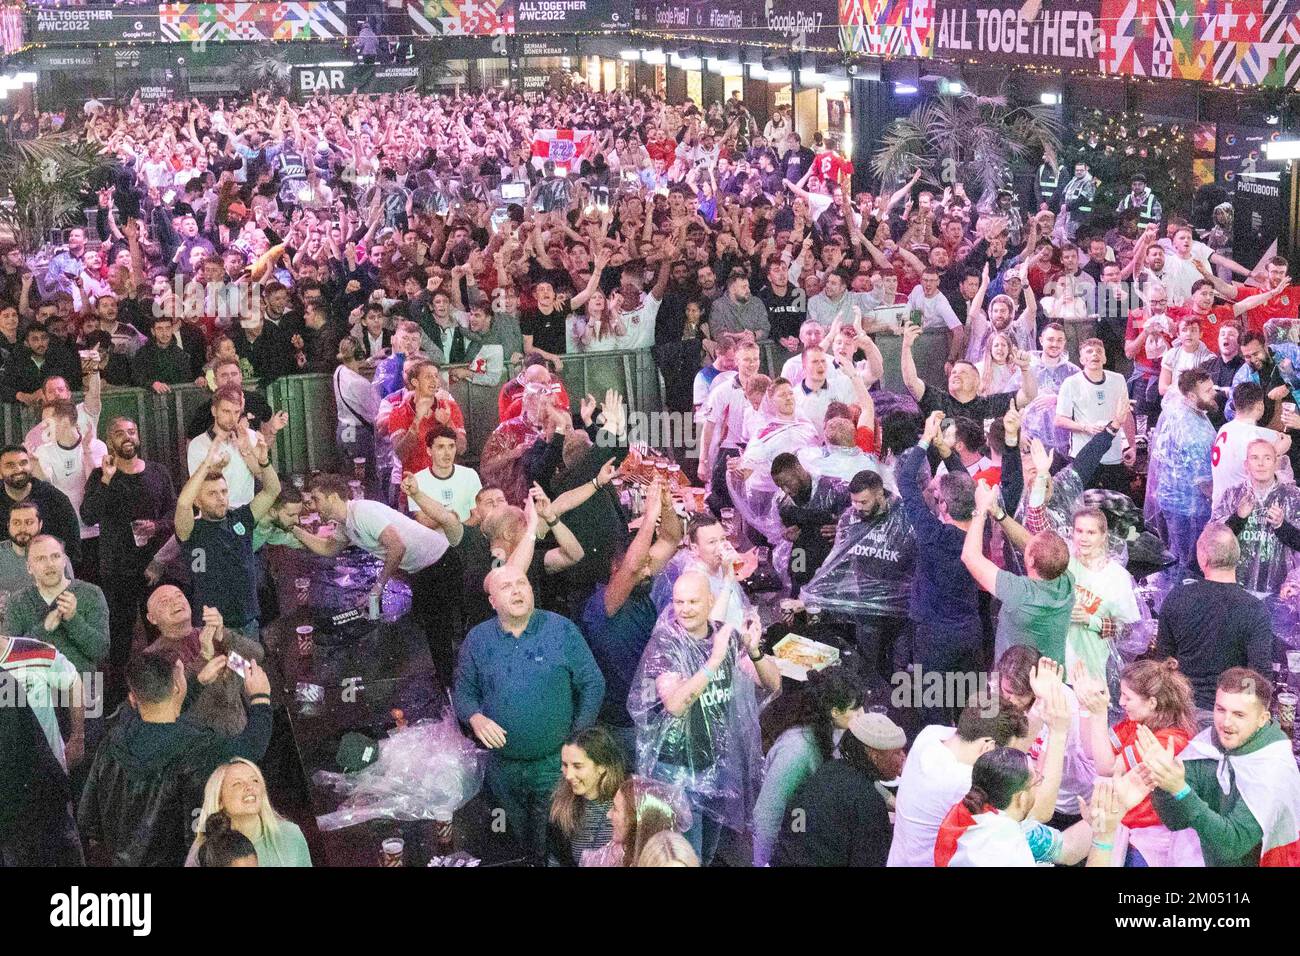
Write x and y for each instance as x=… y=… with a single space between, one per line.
x=1236 y=784
x=525 y=681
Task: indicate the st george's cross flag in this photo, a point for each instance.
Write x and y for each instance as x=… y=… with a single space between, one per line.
x=564 y=147
x=1269 y=783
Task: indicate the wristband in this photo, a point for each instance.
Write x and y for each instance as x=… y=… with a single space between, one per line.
x=999 y=517
x=1102 y=846
x=1187 y=788
x=256 y=698
x=552 y=524
x=709 y=672
x=756 y=657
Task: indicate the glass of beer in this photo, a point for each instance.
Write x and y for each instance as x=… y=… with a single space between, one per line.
x=306 y=641
x=442 y=831
x=359 y=469
x=391 y=851
x=1286 y=702
x=354 y=490
x=302 y=587
x=142 y=530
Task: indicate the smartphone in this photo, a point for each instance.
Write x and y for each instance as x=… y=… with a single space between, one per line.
x=948 y=428
x=237 y=664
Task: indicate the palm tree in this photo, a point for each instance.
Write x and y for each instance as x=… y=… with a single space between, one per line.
x=48 y=179
x=967 y=139
x=263 y=68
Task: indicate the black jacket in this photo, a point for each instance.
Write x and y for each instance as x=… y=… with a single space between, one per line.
x=21 y=373
x=58 y=517
x=33 y=786
x=146 y=780
x=844 y=823
x=271 y=354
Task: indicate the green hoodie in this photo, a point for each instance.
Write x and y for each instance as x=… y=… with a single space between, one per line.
x=1230 y=834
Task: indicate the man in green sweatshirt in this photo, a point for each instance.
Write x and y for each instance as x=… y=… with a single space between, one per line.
x=71 y=615
x=1235 y=785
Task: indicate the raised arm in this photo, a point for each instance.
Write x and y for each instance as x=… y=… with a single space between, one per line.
x=215 y=460
x=910 y=378
x=984 y=571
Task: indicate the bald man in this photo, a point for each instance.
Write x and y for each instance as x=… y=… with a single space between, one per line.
x=213 y=697
x=525 y=681
x=696 y=717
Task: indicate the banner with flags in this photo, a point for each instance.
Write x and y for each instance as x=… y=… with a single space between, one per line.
x=474 y=18
x=566 y=148
x=200 y=22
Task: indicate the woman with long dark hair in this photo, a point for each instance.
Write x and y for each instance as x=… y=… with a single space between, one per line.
x=827 y=703
x=592 y=770
x=991 y=826
x=984 y=828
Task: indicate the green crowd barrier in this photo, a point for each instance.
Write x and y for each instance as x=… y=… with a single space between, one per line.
x=309 y=441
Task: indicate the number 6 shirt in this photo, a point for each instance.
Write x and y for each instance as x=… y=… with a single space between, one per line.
x=1228 y=458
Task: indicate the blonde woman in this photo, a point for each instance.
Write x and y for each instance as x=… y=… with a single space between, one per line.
x=997 y=368
x=238 y=790
x=667 y=848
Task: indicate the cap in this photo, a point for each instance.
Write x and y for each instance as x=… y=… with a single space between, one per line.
x=237 y=210
x=1137 y=178
x=877 y=732
x=356 y=752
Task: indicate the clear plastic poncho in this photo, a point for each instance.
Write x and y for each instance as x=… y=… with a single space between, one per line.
x=427 y=767
x=756 y=497
x=869 y=571
x=1265 y=561
x=1038 y=420
x=501 y=464
x=713 y=751
x=838 y=462
x=1179 y=470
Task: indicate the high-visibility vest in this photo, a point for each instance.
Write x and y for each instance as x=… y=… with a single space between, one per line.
x=1146 y=214
x=1048 y=181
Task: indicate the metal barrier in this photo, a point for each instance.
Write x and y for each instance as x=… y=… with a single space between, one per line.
x=309 y=443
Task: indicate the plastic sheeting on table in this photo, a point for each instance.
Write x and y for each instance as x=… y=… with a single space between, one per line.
x=427 y=767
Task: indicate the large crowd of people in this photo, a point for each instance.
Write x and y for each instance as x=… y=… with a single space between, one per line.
x=1040 y=449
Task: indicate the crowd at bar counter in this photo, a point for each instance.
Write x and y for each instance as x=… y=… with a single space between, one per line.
x=945 y=530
